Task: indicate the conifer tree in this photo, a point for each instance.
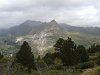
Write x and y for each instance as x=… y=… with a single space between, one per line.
x=25 y=56
x=81 y=54
x=66 y=49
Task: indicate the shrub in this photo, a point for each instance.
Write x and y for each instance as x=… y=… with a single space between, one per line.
x=98 y=60
x=85 y=65
x=1 y=56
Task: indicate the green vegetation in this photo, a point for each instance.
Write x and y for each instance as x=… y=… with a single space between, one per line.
x=94 y=48
x=67 y=58
x=1 y=56
x=25 y=56
x=70 y=53
x=85 y=65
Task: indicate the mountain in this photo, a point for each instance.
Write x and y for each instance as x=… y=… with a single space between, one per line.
x=23 y=28
x=85 y=30
x=46 y=38
x=32 y=27
x=42 y=35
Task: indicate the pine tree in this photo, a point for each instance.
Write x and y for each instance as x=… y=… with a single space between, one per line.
x=48 y=58
x=66 y=49
x=92 y=49
x=68 y=52
x=59 y=44
x=98 y=48
x=81 y=54
x=25 y=56
x=1 y=56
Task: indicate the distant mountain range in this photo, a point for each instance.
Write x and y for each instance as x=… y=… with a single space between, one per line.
x=85 y=30
x=36 y=26
x=42 y=35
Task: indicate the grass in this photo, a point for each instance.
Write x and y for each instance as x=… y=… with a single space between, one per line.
x=96 y=69
x=53 y=72
x=92 y=71
x=83 y=39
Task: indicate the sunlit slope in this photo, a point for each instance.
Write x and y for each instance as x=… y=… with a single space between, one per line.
x=83 y=39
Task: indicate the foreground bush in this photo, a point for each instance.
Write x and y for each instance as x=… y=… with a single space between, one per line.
x=98 y=60
x=85 y=65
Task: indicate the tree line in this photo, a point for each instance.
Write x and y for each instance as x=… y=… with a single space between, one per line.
x=67 y=53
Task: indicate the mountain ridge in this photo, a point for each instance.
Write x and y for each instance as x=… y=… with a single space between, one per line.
x=45 y=38
x=43 y=35
x=29 y=25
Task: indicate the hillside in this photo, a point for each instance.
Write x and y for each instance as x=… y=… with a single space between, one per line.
x=43 y=35
x=94 y=31
x=44 y=39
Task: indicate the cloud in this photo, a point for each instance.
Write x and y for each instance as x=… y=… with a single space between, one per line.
x=74 y=12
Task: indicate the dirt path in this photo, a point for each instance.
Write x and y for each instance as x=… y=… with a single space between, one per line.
x=86 y=72
x=91 y=71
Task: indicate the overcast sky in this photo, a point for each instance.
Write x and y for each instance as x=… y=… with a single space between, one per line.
x=73 y=12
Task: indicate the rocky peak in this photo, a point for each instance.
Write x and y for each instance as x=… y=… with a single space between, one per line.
x=53 y=25
x=53 y=22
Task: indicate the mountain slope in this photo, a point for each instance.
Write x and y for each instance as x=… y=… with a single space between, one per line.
x=24 y=28
x=46 y=38
x=42 y=36
x=94 y=31
x=83 y=39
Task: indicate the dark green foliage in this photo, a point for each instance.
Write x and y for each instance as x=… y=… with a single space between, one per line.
x=98 y=48
x=98 y=60
x=25 y=56
x=81 y=54
x=85 y=65
x=70 y=53
x=56 y=54
x=1 y=56
x=66 y=49
x=48 y=58
x=59 y=44
x=94 y=48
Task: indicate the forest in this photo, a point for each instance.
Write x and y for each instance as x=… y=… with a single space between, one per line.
x=68 y=58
